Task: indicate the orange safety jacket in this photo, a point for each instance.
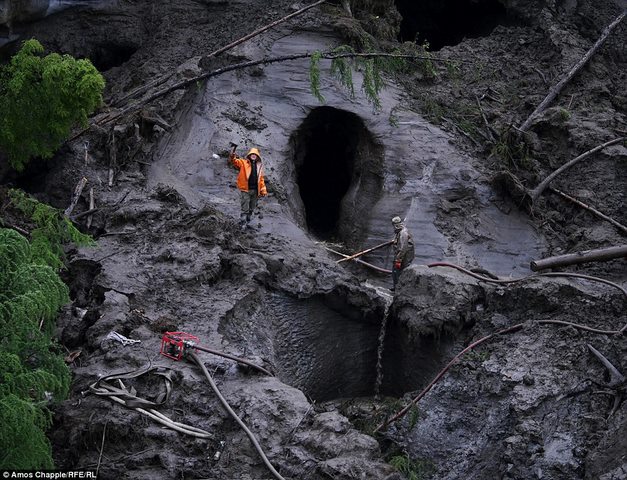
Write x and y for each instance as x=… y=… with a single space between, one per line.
x=244 y=165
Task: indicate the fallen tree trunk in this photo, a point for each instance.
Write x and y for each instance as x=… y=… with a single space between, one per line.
x=536 y=192
x=238 y=66
x=618 y=225
x=77 y=194
x=221 y=50
x=554 y=91
x=597 y=255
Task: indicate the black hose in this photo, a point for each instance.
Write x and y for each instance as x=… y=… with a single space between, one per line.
x=231 y=412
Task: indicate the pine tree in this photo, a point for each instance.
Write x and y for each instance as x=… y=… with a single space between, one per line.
x=31 y=368
x=41 y=98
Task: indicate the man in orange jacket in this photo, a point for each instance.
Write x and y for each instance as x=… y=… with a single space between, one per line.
x=250 y=182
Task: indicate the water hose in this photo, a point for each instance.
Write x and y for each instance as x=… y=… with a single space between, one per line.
x=192 y=356
x=233 y=357
x=535 y=275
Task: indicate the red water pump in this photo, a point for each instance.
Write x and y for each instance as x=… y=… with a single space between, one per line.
x=174 y=344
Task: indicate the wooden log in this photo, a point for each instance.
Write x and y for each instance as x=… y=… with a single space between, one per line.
x=363 y=252
x=618 y=225
x=536 y=192
x=555 y=90
x=358 y=260
x=75 y=196
x=92 y=207
x=597 y=255
x=91 y=211
x=221 y=50
x=112 y=157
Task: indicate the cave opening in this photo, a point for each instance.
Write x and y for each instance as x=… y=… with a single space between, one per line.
x=338 y=168
x=106 y=56
x=442 y=23
x=329 y=349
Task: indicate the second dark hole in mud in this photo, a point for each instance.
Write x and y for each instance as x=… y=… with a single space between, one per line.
x=442 y=23
x=106 y=56
x=329 y=350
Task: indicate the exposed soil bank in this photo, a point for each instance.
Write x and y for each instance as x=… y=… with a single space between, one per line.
x=171 y=257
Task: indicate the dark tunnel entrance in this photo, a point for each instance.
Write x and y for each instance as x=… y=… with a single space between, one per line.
x=338 y=172
x=443 y=23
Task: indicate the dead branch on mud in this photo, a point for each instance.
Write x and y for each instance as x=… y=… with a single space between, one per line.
x=359 y=260
x=239 y=66
x=113 y=152
x=75 y=196
x=599 y=214
x=616 y=378
x=555 y=90
x=536 y=192
x=596 y=255
x=92 y=207
x=526 y=197
x=220 y=51
x=363 y=252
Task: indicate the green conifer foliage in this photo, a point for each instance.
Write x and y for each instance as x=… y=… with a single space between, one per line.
x=32 y=371
x=51 y=232
x=41 y=98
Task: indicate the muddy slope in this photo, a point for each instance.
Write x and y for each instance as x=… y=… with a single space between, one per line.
x=170 y=254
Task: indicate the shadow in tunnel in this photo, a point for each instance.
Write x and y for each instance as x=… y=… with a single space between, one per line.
x=442 y=23
x=338 y=172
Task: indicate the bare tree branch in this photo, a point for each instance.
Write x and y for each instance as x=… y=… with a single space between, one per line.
x=554 y=91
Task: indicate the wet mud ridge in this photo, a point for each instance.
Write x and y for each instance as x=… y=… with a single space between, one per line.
x=344 y=351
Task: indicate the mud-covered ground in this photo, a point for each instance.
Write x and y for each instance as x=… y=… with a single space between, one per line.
x=529 y=404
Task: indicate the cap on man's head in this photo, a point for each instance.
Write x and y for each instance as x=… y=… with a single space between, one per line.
x=397 y=221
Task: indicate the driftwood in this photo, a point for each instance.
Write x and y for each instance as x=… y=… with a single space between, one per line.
x=363 y=252
x=597 y=255
x=618 y=225
x=75 y=196
x=155 y=119
x=92 y=207
x=616 y=378
x=358 y=260
x=86 y=213
x=220 y=51
x=555 y=90
x=113 y=161
x=536 y=192
x=239 y=66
